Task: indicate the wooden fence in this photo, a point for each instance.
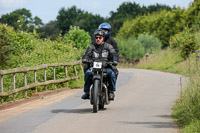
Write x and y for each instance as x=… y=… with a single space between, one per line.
x=36 y=83
x=128 y=60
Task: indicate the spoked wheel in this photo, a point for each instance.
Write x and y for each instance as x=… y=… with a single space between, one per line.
x=95 y=96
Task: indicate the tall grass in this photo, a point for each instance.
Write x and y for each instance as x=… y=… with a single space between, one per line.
x=187 y=108
x=162 y=60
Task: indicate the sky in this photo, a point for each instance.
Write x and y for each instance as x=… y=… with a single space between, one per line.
x=48 y=10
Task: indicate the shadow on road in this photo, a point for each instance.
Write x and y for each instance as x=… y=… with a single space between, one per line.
x=79 y=111
x=153 y=124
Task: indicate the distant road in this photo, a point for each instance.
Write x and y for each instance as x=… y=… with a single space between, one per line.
x=143 y=104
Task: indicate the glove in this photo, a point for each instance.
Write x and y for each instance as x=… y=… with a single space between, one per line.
x=84 y=61
x=115 y=63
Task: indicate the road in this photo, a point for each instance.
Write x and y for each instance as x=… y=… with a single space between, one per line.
x=142 y=104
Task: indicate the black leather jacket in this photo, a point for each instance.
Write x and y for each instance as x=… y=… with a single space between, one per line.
x=112 y=42
x=105 y=52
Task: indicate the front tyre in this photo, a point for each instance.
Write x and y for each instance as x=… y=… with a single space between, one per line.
x=95 y=95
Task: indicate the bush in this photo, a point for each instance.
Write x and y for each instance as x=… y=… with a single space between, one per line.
x=150 y=42
x=186 y=111
x=130 y=48
x=185 y=41
x=77 y=37
x=164 y=24
x=22 y=49
x=14 y=43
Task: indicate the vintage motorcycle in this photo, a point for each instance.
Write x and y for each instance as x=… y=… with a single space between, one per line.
x=98 y=89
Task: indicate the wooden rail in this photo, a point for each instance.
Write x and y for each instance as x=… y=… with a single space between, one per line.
x=36 y=83
x=128 y=60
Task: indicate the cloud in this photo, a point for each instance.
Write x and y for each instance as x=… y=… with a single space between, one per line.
x=10 y=3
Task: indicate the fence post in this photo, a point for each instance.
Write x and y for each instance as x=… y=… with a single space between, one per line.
x=35 y=80
x=25 y=83
x=54 y=73
x=45 y=78
x=1 y=82
x=66 y=73
x=13 y=85
x=82 y=68
x=75 y=70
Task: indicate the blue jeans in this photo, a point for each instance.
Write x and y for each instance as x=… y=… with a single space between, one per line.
x=111 y=80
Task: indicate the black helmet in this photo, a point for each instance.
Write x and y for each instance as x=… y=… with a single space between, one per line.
x=99 y=32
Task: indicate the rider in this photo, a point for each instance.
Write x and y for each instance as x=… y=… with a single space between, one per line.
x=102 y=51
x=107 y=30
x=106 y=27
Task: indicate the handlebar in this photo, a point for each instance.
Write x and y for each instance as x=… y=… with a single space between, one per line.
x=85 y=61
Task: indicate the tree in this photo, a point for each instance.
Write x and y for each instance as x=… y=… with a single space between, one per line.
x=89 y=22
x=128 y=11
x=164 y=24
x=76 y=17
x=67 y=17
x=37 y=22
x=50 y=30
x=20 y=18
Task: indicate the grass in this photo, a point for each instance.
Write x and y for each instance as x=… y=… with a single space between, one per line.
x=187 y=108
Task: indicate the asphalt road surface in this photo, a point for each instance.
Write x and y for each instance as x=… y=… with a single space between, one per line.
x=142 y=104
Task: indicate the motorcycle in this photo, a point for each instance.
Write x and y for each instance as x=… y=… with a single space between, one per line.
x=98 y=89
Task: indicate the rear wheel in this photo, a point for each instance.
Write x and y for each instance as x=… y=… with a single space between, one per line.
x=95 y=95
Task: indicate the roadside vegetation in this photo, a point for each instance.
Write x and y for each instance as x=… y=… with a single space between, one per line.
x=169 y=36
x=179 y=32
x=22 y=49
x=186 y=109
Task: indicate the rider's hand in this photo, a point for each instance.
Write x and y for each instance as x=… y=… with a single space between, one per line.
x=115 y=63
x=84 y=60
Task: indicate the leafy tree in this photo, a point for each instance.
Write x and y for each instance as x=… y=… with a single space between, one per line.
x=37 y=21
x=158 y=8
x=193 y=12
x=20 y=18
x=163 y=24
x=89 y=22
x=67 y=17
x=76 y=17
x=185 y=41
x=128 y=11
x=77 y=37
x=50 y=30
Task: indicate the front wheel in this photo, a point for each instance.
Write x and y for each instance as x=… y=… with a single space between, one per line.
x=95 y=95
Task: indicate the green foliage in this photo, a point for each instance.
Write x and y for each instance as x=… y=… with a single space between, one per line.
x=77 y=37
x=21 y=49
x=186 y=110
x=50 y=30
x=137 y=47
x=14 y=43
x=130 y=48
x=163 y=24
x=76 y=17
x=185 y=41
x=161 y=60
x=130 y=10
x=24 y=16
x=192 y=13
x=150 y=42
